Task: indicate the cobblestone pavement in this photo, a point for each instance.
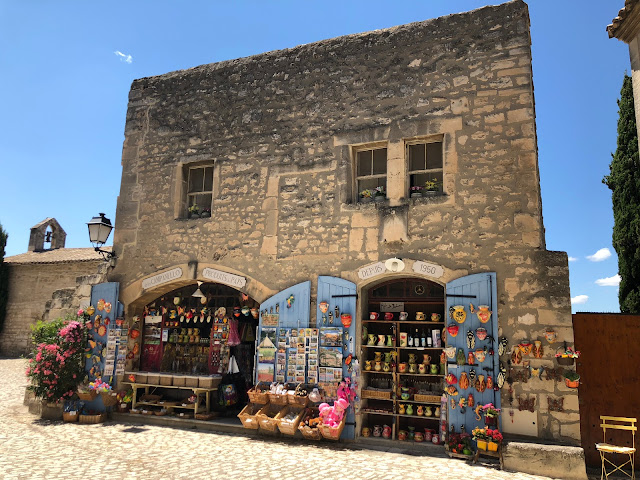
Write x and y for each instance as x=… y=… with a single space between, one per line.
x=34 y=449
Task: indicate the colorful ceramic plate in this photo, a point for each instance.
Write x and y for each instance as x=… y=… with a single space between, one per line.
x=100 y=305
x=102 y=330
x=107 y=307
x=91 y=310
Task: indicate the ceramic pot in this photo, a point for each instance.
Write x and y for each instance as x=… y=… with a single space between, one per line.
x=435 y=317
x=551 y=336
x=426 y=358
x=403 y=316
x=482 y=445
x=422 y=368
x=377 y=430
x=386 y=431
x=377 y=356
x=366 y=432
x=372 y=339
x=436 y=412
x=419 y=437
x=409 y=409
x=388 y=316
x=403 y=339
x=420 y=410
x=374 y=315
x=435 y=439
x=413 y=358
x=402 y=367
x=387 y=357
x=420 y=316
x=324 y=306
x=435 y=369
x=345 y=318
x=525 y=348
x=402 y=435
x=378 y=366
x=402 y=408
x=572 y=383
x=427 y=411
x=381 y=340
x=386 y=367
x=483 y=313
x=412 y=432
x=458 y=313
x=413 y=368
x=405 y=396
x=428 y=433
x=367 y=365
x=492 y=446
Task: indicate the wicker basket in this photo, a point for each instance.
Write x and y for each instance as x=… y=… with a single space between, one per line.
x=206 y=416
x=289 y=427
x=298 y=400
x=150 y=398
x=248 y=416
x=87 y=396
x=109 y=398
x=166 y=380
x=377 y=394
x=70 y=417
x=91 y=419
x=269 y=417
x=278 y=398
x=426 y=398
x=256 y=396
x=332 y=433
x=308 y=432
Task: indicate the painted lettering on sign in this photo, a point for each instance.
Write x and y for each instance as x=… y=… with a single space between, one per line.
x=428 y=269
x=161 y=278
x=372 y=271
x=219 y=276
x=392 y=306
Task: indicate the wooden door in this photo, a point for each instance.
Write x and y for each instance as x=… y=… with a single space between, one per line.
x=609 y=346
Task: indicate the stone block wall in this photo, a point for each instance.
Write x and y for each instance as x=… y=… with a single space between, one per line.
x=281 y=129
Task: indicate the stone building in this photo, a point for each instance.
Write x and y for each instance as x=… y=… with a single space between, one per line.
x=46 y=282
x=279 y=146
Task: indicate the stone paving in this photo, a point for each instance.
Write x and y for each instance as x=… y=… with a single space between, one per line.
x=34 y=449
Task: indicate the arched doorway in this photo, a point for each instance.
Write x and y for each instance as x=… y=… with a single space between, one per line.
x=197 y=335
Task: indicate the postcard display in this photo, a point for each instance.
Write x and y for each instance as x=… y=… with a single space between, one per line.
x=476 y=347
x=289 y=351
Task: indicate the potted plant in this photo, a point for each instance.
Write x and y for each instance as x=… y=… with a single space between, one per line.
x=494 y=438
x=193 y=211
x=380 y=194
x=206 y=213
x=416 y=191
x=481 y=437
x=572 y=379
x=491 y=414
x=460 y=444
x=366 y=196
x=567 y=357
x=432 y=187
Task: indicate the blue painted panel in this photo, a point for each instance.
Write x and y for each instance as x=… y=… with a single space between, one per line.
x=291 y=314
x=109 y=292
x=483 y=287
x=331 y=289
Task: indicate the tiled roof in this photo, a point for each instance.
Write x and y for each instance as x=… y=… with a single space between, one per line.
x=618 y=27
x=59 y=255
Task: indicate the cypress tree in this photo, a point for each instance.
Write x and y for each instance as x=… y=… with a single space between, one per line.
x=624 y=182
x=4 y=277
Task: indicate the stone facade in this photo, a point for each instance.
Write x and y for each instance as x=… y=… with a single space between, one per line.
x=281 y=130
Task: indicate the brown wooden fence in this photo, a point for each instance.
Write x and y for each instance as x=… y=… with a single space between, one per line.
x=609 y=368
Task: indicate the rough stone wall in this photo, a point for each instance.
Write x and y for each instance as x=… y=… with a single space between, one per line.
x=281 y=128
x=41 y=292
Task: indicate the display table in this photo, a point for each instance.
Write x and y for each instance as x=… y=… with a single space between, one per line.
x=489 y=453
x=197 y=391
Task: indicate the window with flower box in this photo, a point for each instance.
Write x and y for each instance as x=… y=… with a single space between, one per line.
x=425 y=166
x=371 y=173
x=200 y=187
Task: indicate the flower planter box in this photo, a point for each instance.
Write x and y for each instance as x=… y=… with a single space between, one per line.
x=565 y=361
x=482 y=444
x=492 y=447
x=572 y=383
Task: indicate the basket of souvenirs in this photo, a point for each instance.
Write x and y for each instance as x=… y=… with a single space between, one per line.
x=309 y=424
x=289 y=420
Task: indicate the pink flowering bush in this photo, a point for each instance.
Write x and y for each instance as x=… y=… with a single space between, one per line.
x=56 y=366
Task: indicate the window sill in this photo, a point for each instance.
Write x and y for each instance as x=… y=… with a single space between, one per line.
x=437 y=199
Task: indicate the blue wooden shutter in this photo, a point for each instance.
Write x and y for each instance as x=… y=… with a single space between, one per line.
x=341 y=293
x=295 y=316
x=477 y=289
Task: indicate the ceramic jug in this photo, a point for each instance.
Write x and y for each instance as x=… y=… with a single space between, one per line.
x=377 y=430
x=403 y=339
x=412 y=358
x=386 y=431
x=413 y=368
x=402 y=408
x=378 y=356
x=381 y=340
x=427 y=411
x=402 y=435
x=420 y=410
x=483 y=313
x=389 y=340
x=435 y=369
x=404 y=316
x=386 y=367
x=412 y=432
x=387 y=357
x=378 y=366
x=366 y=432
x=388 y=316
x=372 y=339
x=422 y=368
x=458 y=313
x=402 y=367
x=435 y=317
x=418 y=437
x=436 y=413
x=420 y=316
x=373 y=316
x=426 y=358
x=367 y=365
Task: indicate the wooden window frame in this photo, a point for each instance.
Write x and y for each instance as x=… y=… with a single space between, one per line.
x=424 y=141
x=356 y=178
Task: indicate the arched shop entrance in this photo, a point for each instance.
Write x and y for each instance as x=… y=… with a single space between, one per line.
x=197 y=335
x=402 y=345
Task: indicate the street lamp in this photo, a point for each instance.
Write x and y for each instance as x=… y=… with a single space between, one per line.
x=99 y=229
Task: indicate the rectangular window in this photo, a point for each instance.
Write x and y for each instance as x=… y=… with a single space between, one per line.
x=425 y=166
x=200 y=187
x=371 y=173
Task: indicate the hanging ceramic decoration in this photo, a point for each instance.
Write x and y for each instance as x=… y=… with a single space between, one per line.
x=100 y=304
x=480 y=385
x=102 y=330
x=330 y=318
x=481 y=333
x=483 y=313
x=107 y=307
x=254 y=313
x=464 y=381
x=480 y=355
x=502 y=375
x=451 y=391
x=470 y=358
x=245 y=310
x=470 y=401
x=537 y=372
x=107 y=321
x=236 y=312
x=525 y=348
x=460 y=358
x=458 y=313
x=277 y=308
x=453 y=404
x=345 y=318
x=489 y=382
x=471 y=339
x=97 y=321
x=90 y=310
x=516 y=356
x=89 y=325
x=537 y=350
x=336 y=312
x=177 y=300
x=290 y=300
x=451 y=379
x=92 y=344
x=463 y=405
x=453 y=329
x=450 y=352
x=551 y=336
x=134 y=333
x=472 y=375
x=324 y=306
x=245 y=297
x=502 y=345
x=472 y=308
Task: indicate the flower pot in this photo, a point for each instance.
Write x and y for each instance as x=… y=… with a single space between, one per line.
x=366 y=199
x=205 y=215
x=379 y=198
x=490 y=421
x=572 y=383
x=482 y=444
x=492 y=446
x=416 y=194
x=566 y=361
x=430 y=193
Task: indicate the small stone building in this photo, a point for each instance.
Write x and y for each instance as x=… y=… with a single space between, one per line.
x=284 y=149
x=42 y=284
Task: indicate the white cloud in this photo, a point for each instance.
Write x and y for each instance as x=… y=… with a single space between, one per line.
x=609 y=281
x=579 y=299
x=600 y=255
x=573 y=259
x=123 y=57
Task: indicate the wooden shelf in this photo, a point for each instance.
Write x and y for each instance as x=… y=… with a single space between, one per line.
x=382 y=373
x=420 y=348
x=417 y=416
x=371 y=412
x=423 y=374
x=425 y=301
x=413 y=322
x=375 y=346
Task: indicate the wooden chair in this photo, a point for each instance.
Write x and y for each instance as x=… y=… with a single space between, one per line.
x=619 y=423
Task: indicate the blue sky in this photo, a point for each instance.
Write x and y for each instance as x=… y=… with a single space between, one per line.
x=66 y=68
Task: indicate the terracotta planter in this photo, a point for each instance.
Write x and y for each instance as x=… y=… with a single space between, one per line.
x=572 y=384
x=492 y=446
x=482 y=445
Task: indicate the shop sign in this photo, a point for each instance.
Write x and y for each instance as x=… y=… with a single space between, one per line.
x=371 y=271
x=428 y=269
x=219 y=276
x=161 y=278
x=392 y=306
